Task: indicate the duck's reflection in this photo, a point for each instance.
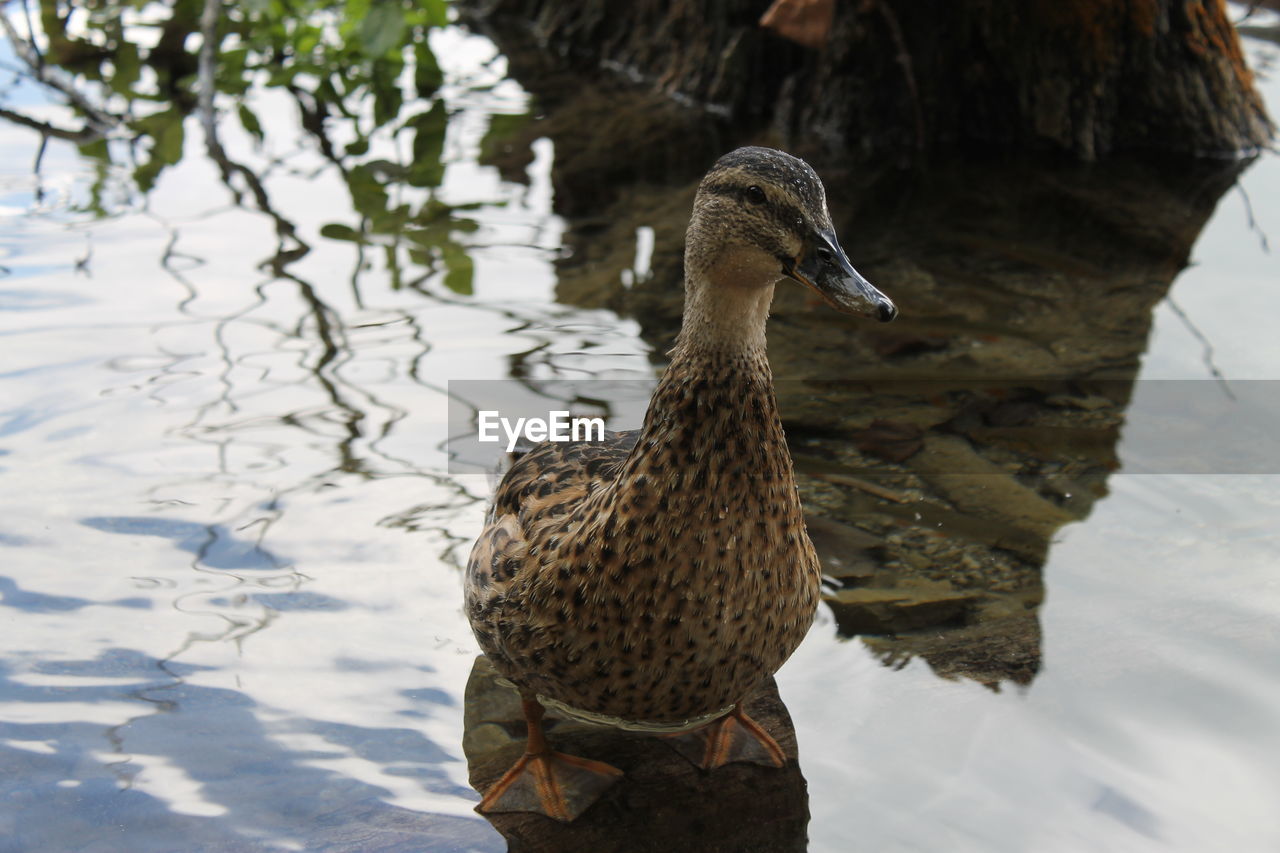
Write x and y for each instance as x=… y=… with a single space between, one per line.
x=664 y=803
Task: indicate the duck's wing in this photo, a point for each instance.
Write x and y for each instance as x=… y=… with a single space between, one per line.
x=544 y=485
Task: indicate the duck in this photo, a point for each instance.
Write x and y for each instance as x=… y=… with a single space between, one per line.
x=653 y=580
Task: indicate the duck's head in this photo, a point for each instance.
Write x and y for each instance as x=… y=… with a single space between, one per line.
x=760 y=216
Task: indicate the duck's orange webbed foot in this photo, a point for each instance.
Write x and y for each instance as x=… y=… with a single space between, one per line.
x=546 y=782
x=734 y=737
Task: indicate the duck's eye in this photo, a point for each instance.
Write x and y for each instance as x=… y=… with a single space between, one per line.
x=755 y=195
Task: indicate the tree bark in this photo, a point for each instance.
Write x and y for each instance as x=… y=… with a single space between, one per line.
x=1084 y=77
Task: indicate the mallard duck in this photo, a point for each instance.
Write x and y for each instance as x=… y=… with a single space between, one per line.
x=654 y=580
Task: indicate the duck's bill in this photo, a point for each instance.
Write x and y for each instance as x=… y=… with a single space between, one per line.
x=824 y=267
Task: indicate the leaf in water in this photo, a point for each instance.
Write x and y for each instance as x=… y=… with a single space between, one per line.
x=390 y=221
x=427 y=76
x=436 y=12
x=97 y=149
x=305 y=41
x=367 y=193
x=387 y=97
x=382 y=29
x=428 y=146
x=461 y=269
x=393 y=268
x=431 y=236
x=439 y=233
x=169 y=142
x=386 y=170
x=250 y=122
x=165 y=130
x=128 y=67
x=281 y=75
x=353 y=14
x=387 y=238
x=337 y=231
x=434 y=211
x=422 y=258
x=230 y=73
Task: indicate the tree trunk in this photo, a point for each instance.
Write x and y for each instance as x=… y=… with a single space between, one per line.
x=1084 y=77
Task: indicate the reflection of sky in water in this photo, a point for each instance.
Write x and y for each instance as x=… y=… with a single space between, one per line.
x=230 y=593
x=1144 y=730
x=213 y=545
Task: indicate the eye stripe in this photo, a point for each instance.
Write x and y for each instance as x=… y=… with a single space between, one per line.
x=787 y=215
x=727 y=189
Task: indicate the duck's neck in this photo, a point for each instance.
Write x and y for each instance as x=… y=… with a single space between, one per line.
x=712 y=432
x=723 y=322
x=718 y=384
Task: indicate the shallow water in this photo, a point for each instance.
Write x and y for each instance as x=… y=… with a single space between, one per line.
x=231 y=534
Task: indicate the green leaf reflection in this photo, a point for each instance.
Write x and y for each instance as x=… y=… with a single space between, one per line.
x=358 y=76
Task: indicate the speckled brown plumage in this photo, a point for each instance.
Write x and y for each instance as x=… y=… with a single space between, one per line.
x=659 y=576
x=670 y=583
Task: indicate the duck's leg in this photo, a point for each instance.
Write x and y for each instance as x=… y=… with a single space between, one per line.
x=547 y=782
x=732 y=738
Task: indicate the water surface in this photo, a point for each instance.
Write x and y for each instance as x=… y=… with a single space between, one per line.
x=231 y=535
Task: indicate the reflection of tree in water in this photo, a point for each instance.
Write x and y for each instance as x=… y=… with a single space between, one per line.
x=293 y=383
x=941 y=454
x=1030 y=293
x=372 y=103
x=350 y=68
